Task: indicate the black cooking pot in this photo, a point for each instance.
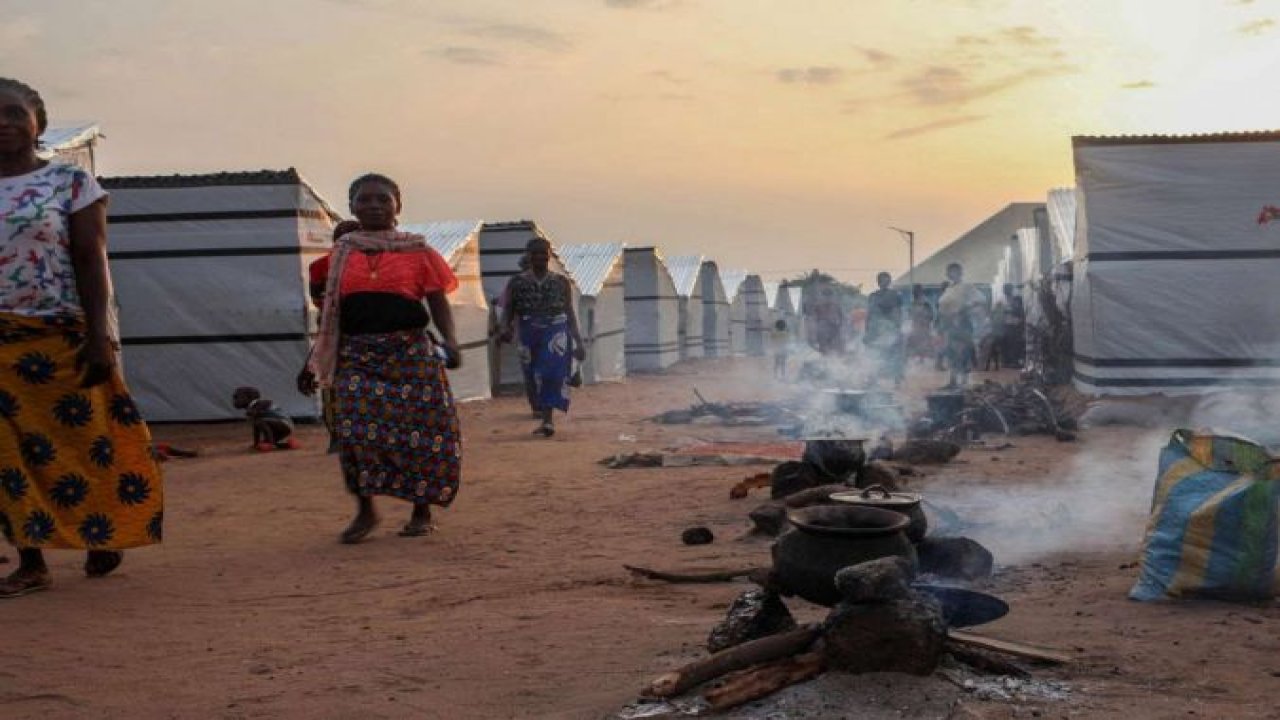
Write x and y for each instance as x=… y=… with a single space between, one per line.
x=827 y=538
x=837 y=459
x=901 y=502
x=945 y=408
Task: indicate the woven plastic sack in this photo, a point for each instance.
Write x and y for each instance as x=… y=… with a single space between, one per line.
x=1213 y=526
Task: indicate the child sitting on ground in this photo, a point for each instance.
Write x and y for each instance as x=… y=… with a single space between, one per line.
x=272 y=429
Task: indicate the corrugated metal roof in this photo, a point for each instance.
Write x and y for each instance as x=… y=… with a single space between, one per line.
x=252 y=177
x=1245 y=136
x=684 y=271
x=65 y=137
x=732 y=280
x=445 y=236
x=591 y=263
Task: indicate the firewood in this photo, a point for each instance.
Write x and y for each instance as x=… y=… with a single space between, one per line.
x=1008 y=647
x=985 y=661
x=735 y=658
x=761 y=680
x=746 y=485
x=714 y=576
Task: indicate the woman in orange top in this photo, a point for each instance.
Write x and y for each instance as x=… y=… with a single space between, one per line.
x=396 y=425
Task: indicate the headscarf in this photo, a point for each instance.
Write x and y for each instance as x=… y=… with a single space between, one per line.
x=324 y=356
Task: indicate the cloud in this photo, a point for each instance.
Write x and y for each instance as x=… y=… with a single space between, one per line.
x=528 y=35
x=464 y=55
x=948 y=85
x=1027 y=36
x=1257 y=27
x=667 y=76
x=1138 y=85
x=936 y=125
x=878 y=58
x=814 y=75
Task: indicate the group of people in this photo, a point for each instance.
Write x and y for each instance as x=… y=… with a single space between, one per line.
x=78 y=467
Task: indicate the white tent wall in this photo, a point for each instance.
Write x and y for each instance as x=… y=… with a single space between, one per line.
x=1062 y=207
x=652 y=312
x=756 y=311
x=210 y=278
x=71 y=144
x=501 y=247
x=1172 y=264
x=458 y=241
x=599 y=269
x=715 y=311
x=796 y=321
x=686 y=273
x=733 y=280
x=771 y=291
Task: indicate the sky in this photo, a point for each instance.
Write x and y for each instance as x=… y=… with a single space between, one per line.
x=769 y=135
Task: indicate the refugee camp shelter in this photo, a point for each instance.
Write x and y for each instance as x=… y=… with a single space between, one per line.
x=748 y=312
x=1175 y=257
x=715 y=311
x=1061 y=210
x=686 y=273
x=979 y=250
x=598 y=269
x=653 y=311
x=71 y=144
x=458 y=241
x=501 y=248
x=210 y=275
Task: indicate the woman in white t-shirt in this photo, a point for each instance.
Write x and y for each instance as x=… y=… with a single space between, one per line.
x=76 y=469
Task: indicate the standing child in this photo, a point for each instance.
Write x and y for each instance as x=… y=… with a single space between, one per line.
x=780 y=344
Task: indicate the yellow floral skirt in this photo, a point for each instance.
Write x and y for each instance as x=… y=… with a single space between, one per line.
x=76 y=466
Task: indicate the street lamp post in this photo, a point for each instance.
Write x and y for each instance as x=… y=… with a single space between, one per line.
x=910 y=237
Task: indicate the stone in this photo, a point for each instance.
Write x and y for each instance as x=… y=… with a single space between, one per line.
x=769 y=518
x=880 y=580
x=926 y=452
x=791 y=477
x=754 y=614
x=954 y=557
x=905 y=635
x=697 y=536
x=820 y=495
x=877 y=473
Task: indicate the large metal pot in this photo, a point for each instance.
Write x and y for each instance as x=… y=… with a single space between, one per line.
x=837 y=459
x=826 y=538
x=903 y=502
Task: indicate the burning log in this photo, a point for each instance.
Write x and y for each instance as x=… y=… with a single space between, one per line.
x=738 y=657
x=763 y=680
x=743 y=487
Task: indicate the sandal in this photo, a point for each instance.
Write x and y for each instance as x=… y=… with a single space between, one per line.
x=545 y=430
x=101 y=563
x=358 y=530
x=415 y=530
x=19 y=584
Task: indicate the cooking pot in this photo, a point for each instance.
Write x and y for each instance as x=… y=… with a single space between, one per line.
x=903 y=502
x=836 y=458
x=824 y=539
x=857 y=402
x=945 y=408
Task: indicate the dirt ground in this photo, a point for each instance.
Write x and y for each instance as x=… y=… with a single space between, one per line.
x=519 y=606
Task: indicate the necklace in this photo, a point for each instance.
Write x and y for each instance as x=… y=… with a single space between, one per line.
x=373 y=260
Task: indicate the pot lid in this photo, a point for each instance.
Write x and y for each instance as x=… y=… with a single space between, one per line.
x=878 y=496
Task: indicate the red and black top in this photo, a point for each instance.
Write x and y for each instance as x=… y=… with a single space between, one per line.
x=382 y=292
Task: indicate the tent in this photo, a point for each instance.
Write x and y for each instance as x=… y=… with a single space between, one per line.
x=653 y=311
x=598 y=269
x=715 y=311
x=459 y=242
x=748 y=311
x=210 y=276
x=979 y=250
x=1175 y=255
x=686 y=273
x=501 y=247
x=72 y=144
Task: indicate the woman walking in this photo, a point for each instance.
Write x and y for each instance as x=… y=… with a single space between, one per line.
x=542 y=301
x=394 y=416
x=76 y=469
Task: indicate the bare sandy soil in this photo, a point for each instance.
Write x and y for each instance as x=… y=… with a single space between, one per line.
x=519 y=607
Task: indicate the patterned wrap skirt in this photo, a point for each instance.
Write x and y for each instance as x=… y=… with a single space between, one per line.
x=396 y=423
x=544 y=349
x=76 y=464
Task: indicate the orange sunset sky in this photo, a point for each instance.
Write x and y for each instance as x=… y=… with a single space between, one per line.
x=769 y=135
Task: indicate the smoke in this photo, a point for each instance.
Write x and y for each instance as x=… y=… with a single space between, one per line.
x=1098 y=501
